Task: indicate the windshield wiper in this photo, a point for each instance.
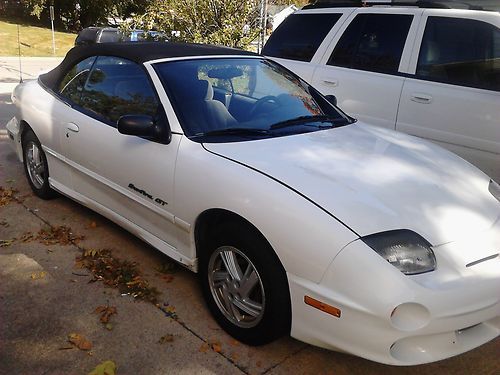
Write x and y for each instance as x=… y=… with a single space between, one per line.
x=301 y=120
x=234 y=131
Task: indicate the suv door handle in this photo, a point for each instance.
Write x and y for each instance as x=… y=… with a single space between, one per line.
x=331 y=81
x=73 y=127
x=421 y=98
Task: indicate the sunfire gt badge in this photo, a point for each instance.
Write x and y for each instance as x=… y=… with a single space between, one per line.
x=147 y=195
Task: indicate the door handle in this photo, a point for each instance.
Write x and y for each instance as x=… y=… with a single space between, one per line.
x=331 y=81
x=421 y=98
x=73 y=127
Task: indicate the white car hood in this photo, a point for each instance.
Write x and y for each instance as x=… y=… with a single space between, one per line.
x=374 y=180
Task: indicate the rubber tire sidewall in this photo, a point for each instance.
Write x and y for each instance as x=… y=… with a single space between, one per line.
x=277 y=313
x=45 y=192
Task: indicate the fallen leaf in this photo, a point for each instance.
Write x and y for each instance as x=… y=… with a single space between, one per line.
x=167 y=268
x=93 y=225
x=7 y=195
x=109 y=326
x=105 y=368
x=234 y=342
x=79 y=341
x=38 y=275
x=52 y=235
x=91 y=253
x=217 y=347
x=114 y=272
x=10 y=180
x=234 y=356
x=167 y=278
x=26 y=237
x=5 y=243
x=166 y=338
x=204 y=347
x=106 y=312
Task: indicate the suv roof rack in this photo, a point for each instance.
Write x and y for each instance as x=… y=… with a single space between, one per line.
x=491 y=5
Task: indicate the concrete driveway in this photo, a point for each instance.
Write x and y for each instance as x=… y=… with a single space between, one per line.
x=44 y=298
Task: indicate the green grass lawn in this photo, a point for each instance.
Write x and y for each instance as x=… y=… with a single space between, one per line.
x=35 y=41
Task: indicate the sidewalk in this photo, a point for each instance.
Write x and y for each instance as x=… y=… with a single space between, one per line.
x=30 y=67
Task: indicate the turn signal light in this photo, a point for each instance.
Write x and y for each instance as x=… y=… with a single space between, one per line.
x=322 y=306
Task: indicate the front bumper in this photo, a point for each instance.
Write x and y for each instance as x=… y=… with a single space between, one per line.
x=14 y=134
x=403 y=320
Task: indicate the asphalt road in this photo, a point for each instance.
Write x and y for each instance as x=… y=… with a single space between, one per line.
x=44 y=298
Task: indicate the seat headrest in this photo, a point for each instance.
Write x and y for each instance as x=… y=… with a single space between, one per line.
x=202 y=89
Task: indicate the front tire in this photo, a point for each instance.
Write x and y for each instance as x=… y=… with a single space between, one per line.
x=245 y=285
x=36 y=166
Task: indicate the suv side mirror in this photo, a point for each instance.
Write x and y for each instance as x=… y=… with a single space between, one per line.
x=143 y=126
x=332 y=99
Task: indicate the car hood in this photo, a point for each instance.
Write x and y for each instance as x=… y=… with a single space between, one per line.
x=374 y=180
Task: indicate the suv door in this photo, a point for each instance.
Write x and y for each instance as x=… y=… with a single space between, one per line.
x=453 y=98
x=300 y=41
x=365 y=64
x=128 y=178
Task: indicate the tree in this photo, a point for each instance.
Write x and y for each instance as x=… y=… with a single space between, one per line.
x=76 y=14
x=232 y=23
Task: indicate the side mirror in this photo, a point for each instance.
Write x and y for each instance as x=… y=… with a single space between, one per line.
x=140 y=125
x=144 y=126
x=332 y=99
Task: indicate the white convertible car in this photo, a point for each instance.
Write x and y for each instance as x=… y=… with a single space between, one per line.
x=297 y=218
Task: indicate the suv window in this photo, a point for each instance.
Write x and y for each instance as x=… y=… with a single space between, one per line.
x=118 y=87
x=373 y=42
x=72 y=84
x=461 y=52
x=300 y=35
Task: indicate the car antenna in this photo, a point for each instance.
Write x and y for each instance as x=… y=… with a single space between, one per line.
x=19 y=49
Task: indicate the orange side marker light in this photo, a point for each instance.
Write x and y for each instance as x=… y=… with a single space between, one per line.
x=322 y=306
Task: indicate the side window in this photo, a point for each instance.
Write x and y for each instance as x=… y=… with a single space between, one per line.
x=72 y=84
x=373 y=42
x=461 y=52
x=300 y=35
x=118 y=87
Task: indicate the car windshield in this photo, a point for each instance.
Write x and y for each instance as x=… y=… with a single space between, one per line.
x=231 y=99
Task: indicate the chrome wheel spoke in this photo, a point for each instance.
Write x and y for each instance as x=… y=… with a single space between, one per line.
x=219 y=278
x=248 y=306
x=229 y=304
x=231 y=264
x=35 y=165
x=39 y=168
x=249 y=281
x=36 y=154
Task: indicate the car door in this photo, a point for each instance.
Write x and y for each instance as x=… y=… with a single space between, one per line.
x=453 y=98
x=67 y=95
x=365 y=64
x=125 y=177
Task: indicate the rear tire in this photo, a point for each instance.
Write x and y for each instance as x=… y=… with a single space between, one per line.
x=245 y=285
x=36 y=166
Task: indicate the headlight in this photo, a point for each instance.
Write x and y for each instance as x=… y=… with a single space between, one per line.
x=406 y=250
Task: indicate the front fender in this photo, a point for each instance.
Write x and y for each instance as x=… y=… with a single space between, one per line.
x=304 y=237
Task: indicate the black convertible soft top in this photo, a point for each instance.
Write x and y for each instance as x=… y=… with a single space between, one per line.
x=139 y=52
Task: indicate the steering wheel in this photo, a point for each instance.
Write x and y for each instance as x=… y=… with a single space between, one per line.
x=257 y=106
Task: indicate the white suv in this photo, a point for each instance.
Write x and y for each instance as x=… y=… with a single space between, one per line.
x=422 y=70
